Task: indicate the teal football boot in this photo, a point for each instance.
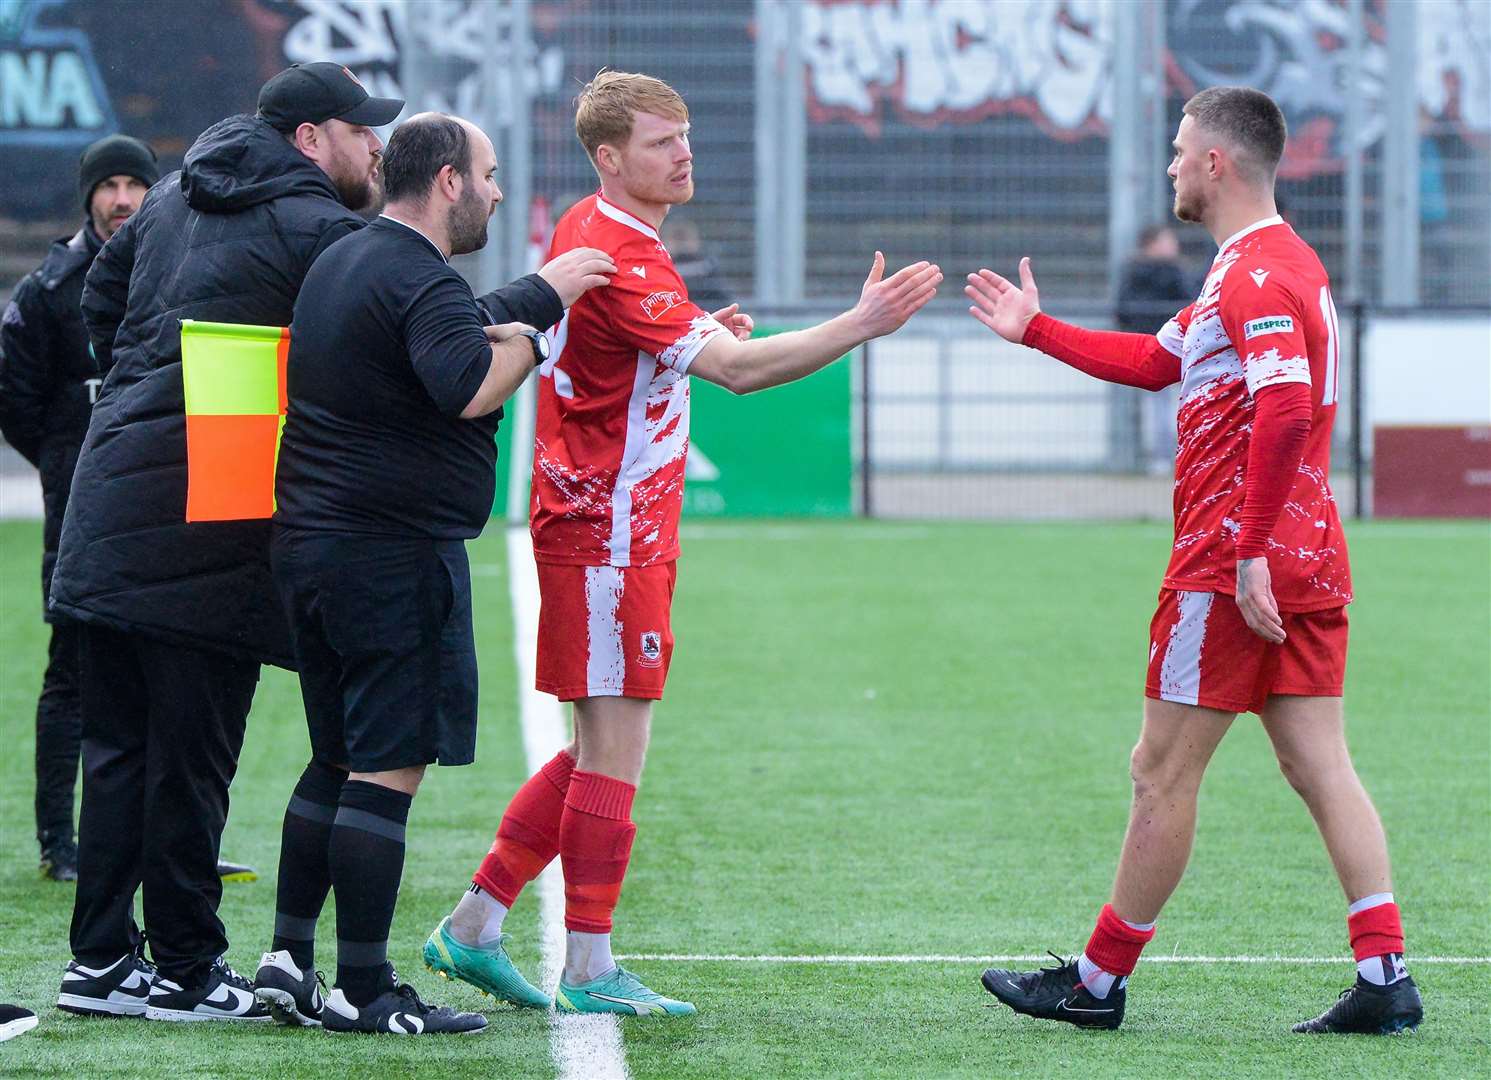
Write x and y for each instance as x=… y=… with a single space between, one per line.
x=488 y=969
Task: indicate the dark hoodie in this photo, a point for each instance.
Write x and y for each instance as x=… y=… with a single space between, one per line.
x=228 y=239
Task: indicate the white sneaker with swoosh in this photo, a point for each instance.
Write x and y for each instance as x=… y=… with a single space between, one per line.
x=118 y=989
x=225 y=995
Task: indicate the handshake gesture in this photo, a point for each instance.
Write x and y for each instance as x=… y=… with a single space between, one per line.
x=885 y=303
x=1002 y=307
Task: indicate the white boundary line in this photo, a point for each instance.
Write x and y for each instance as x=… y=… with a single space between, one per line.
x=948 y=958
x=582 y=1047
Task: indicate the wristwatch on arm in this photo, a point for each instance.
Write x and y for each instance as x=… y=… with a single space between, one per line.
x=540 y=343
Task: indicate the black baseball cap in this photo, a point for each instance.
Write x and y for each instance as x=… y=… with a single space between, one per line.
x=315 y=93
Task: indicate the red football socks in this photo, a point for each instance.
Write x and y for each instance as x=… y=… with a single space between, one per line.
x=1115 y=945
x=595 y=843
x=528 y=837
x=1377 y=931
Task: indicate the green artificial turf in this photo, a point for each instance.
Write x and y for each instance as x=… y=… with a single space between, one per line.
x=886 y=739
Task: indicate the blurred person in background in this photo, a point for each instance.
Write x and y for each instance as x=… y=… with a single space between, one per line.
x=1152 y=286
x=48 y=383
x=1252 y=610
x=699 y=269
x=178 y=617
x=611 y=440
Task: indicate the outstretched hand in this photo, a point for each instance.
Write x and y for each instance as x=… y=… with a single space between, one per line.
x=885 y=305
x=1000 y=306
x=736 y=321
x=576 y=271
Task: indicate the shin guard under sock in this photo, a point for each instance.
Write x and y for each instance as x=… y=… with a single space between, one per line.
x=595 y=844
x=528 y=837
x=304 y=876
x=366 y=855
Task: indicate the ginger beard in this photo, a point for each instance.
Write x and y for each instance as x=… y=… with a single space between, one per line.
x=656 y=166
x=352 y=165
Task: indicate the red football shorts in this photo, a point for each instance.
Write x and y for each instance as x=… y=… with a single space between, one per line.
x=603 y=631
x=1201 y=652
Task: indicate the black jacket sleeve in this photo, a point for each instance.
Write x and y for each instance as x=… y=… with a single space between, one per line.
x=27 y=369
x=105 y=291
x=329 y=237
x=528 y=300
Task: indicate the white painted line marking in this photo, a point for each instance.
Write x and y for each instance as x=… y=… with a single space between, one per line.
x=949 y=958
x=582 y=1047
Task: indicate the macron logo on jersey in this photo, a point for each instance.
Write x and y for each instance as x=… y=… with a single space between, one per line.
x=1258 y=276
x=655 y=304
x=1269 y=324
x=640 y=271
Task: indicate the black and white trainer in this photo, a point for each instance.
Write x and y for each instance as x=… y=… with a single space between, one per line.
x=119 y=989
x=225 y=995
x=398 y=1010
x=293 y=996
x=1368 y=1009
x=14 y=1021
x=1056 y=993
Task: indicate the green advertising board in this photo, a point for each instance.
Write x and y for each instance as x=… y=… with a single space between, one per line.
x=783 y=452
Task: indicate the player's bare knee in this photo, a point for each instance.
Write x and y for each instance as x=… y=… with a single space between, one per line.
x=1164 y=770
x=406 y=780
x=1299 y=776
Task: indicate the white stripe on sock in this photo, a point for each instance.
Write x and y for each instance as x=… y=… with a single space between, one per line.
x=1377 y=899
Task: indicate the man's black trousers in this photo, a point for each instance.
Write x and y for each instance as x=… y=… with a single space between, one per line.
x=162 y=728
x=57 y=732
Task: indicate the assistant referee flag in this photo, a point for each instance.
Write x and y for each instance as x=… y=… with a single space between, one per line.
x=234 y=382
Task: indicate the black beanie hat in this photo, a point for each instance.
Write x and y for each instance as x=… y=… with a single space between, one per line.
x=117 y=155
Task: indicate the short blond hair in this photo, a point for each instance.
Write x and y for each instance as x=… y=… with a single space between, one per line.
x=608 y=104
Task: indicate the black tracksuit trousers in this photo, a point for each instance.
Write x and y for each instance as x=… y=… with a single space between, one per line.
x=162 y=728
x=58 y=729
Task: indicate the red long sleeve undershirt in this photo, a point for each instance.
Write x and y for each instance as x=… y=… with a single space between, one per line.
x=1281 y=427
x=1281 y=413
x=1131 y=359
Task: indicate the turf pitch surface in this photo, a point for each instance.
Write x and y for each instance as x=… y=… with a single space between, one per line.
x=889 y=740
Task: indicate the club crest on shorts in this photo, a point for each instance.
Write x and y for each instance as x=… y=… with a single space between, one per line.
x=652 y=649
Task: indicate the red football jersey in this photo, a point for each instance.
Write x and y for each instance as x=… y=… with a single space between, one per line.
x=611 y=431
x=1264 y=316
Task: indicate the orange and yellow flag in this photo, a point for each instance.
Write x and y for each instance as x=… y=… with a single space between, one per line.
x=234 y=380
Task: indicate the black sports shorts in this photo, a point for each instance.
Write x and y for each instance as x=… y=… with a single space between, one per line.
x=381 y=627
